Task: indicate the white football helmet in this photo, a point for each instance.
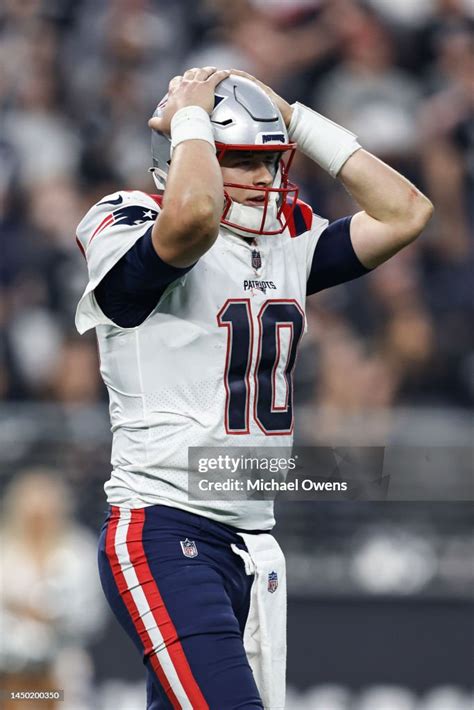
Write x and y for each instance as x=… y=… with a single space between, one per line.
x=244 y=119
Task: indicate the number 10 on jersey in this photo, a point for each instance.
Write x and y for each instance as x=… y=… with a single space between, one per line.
x=273 y=318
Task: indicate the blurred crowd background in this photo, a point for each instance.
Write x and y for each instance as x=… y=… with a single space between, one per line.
x=388 y=358
x=78 y=81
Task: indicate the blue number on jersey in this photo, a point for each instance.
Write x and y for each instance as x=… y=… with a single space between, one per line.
x=274 y=315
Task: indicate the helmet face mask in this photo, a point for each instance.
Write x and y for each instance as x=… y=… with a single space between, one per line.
x=279 y=199
x=243 y=119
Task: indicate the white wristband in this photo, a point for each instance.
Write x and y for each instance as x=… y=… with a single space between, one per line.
x=191 y=123
x=322 y=140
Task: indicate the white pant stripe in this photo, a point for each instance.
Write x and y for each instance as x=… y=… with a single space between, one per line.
x=145 y=612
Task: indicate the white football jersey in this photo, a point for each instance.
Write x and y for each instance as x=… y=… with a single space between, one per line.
x=210 y=366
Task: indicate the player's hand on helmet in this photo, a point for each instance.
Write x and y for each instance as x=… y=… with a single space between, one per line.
x=285 y=108
x=194 y=88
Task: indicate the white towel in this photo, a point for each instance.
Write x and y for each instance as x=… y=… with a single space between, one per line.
x=265 y=630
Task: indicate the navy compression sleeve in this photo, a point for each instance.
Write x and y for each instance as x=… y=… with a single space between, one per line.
x=132 y=288
x=334 y=258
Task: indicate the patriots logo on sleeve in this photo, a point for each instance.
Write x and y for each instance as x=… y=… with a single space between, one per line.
x=133 y=215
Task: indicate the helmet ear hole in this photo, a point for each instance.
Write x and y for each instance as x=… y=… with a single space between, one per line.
x=159 y=177
x=160 y=149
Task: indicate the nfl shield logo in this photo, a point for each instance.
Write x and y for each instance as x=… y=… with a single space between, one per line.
x=256 y=259
x=189 y=548
x=272 y=582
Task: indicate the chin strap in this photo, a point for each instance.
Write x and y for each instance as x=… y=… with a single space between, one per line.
x=245 y=217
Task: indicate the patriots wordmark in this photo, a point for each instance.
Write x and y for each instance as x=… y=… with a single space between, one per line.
x=261 y=285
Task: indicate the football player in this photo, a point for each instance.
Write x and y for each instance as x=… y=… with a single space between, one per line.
x=198 y=297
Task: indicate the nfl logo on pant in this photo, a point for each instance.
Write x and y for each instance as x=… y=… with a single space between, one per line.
x=189 y=548
x=272 y=582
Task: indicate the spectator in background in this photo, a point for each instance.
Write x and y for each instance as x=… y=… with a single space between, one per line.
x=35 y=124
x=117 y=58
x=446 y=127
x=40 y=282
x=447 y=165
x=76 y=377
x=50 y=601
x=367 y=92
x=278 y=41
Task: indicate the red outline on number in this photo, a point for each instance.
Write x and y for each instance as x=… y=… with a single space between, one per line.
x=289 y=325
x=228 y=326
x=257 y=363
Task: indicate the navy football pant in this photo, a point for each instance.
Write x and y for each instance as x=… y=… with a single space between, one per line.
x=185 y=613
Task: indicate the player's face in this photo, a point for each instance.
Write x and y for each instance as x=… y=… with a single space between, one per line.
x=250 y=168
